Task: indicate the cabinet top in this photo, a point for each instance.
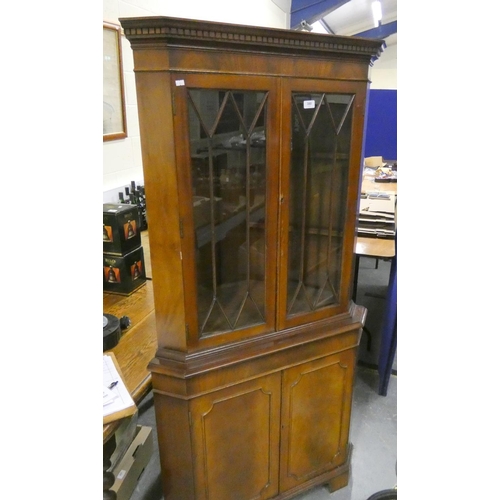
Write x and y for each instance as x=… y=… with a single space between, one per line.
x=169 y=31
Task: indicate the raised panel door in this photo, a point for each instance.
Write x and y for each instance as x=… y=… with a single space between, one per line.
x=316 y=407
x=236 y=441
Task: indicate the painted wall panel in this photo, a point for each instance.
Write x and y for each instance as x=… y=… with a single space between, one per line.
x=381 y=125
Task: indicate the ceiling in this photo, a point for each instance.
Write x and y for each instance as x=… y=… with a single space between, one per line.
x=345 y=17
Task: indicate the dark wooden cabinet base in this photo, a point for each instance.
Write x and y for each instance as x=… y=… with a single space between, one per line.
x=268 y=426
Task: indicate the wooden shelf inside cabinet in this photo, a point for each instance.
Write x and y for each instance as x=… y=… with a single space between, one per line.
x=234 y=219
x=251 y=142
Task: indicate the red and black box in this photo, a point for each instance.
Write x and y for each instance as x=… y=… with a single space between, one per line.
x=121 y=231
x=123 y=274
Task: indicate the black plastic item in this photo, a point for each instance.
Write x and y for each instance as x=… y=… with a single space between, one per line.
x=112 y=330
x=124 y=322
x=391 y=494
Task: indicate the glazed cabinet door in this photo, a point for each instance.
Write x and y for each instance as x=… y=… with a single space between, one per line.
x=227 y=137
x=320 y=188
x=235 y=439
x=316 y=410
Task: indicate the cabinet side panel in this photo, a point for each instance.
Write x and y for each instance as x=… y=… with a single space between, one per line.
x=172 y=420
x=316 y=413
x=236 y=436
x=158 y=156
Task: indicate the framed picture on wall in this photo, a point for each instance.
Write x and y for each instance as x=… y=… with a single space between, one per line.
x=114 y=119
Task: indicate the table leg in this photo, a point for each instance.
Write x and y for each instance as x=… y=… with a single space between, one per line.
x=388 y=332
x=355 y=281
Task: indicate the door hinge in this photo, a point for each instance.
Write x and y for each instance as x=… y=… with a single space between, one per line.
x=190 y=416
x=173 y=103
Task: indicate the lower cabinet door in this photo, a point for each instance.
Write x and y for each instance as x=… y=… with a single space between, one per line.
x=235 y=434
x=316 y=410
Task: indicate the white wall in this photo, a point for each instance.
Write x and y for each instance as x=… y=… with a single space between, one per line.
x=384 y=70
x=122 y=161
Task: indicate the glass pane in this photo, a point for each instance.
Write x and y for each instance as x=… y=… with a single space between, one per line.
x=321 y=131
x=228 y=162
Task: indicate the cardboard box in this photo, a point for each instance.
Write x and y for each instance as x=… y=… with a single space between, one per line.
x=124 y=435
x=128 y=471
x=374 y=161
x=121 y=229
x=124 y=274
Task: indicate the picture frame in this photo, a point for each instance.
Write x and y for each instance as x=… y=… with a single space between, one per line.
x=114 y=116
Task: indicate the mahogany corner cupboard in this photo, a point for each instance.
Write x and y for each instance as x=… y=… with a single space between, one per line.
x=252 y=148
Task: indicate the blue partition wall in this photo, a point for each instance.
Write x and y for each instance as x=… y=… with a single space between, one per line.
x=381 y=125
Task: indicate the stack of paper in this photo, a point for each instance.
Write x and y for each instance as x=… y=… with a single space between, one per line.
x=116 y=400
x=376 y=215
x=107 y=397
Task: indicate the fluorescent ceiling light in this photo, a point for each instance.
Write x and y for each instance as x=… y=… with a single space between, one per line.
x=377 y=13
x=319 y=28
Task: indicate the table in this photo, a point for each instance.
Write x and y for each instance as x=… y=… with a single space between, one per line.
x=138 y=344
x=378 y=248
x=136 y=348
x=381 y=248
